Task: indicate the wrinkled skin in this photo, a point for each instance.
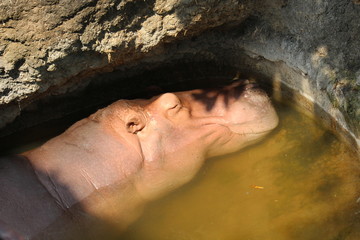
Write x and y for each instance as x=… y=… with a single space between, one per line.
x=110 y=164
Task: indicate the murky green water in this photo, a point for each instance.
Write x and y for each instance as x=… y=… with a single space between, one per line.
x=301 y=183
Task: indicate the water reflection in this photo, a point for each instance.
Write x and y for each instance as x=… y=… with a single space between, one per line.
x=299 y=184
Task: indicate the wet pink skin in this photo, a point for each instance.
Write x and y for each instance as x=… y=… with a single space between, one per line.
x=134 y=151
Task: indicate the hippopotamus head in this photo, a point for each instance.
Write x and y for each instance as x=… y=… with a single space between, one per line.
x=175 y=132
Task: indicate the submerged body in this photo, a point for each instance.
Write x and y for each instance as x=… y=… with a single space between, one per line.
x=106 y=167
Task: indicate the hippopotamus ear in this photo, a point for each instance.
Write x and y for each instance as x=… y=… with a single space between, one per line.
x=134 y=124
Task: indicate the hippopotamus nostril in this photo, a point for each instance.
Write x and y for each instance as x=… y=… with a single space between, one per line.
x=242 y=88
x=253 y=86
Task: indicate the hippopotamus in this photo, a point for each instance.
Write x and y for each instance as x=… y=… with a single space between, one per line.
x=106 y=167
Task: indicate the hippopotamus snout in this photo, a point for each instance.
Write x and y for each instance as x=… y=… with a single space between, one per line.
x=251 y=112
x=242 y=106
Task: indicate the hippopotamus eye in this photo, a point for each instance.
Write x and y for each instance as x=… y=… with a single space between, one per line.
x=169 y=101
x=175 y=105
